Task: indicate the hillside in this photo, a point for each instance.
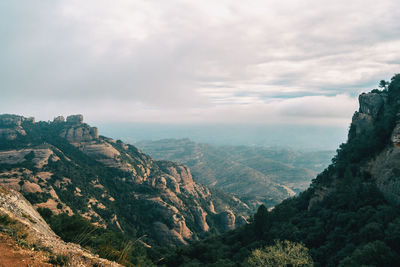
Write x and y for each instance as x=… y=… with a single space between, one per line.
x=350 y=214
x=258 y=173
x=64 y=167
x=26 y=239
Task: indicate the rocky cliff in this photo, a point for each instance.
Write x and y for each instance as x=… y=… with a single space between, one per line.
x=373 y=147
x=66 y=167
x=350 y=214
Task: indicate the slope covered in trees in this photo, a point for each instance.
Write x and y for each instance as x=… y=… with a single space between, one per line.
x=348 y=217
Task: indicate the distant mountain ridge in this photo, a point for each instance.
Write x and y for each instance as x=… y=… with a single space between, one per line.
x=269 y=174
x=65 y=166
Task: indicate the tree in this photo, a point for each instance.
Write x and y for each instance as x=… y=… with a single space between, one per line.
x=383 y=84
x=375 y=253
x=281 y=254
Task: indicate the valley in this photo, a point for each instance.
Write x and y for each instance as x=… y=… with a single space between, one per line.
x=255 y=174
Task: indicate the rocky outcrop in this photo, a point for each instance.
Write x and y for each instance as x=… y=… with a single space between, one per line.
x=10 y=126
x=370 y=106
x=200 y=218
x=75 y=119
x=173 y=205
x=75 y=131
x=385 y=170
x=384 y=166
x=372 y=103
x=38 y=156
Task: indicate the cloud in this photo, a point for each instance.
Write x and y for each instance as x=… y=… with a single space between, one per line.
x=195 y=61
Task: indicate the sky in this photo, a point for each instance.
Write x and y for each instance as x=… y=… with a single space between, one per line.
x=180 y=62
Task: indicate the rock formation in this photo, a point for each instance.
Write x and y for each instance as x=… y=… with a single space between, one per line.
x=10 y=126
x=383 y=167
x=96 y=175
x=75 y=131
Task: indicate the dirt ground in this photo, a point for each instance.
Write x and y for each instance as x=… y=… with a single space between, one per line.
x=12 y=255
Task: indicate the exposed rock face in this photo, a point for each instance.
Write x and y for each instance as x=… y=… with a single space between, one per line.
x=362 y=123
x=384 y=167
x=200 y=218
x=38 y=156
x=75 y=131
x=75 y=119
x=370 y=105
x=10 y=126
x=176 y=206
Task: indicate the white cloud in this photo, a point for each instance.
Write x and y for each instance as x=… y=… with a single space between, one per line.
x=201 y=61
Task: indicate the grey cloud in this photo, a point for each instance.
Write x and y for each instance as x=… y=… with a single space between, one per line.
x=185 y=58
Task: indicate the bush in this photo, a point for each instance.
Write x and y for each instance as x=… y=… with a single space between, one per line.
x=59 y=260
x=281 y=254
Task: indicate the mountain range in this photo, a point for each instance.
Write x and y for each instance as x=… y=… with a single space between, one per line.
x=64 y=166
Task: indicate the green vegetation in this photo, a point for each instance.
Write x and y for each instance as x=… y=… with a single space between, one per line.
x=253 y=173
x=352 y=225
x=341 y=220
x=107 y=244
x=281 y=254
x=59 y=260
x=38 y=197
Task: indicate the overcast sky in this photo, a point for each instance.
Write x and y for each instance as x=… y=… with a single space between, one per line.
x=297 y=62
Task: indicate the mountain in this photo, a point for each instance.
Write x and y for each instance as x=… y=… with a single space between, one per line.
x=258 y=173
x=65 y=167
x=27 y=240
x=349 y=216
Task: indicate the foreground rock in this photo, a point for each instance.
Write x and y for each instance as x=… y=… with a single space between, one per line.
x=39 y=235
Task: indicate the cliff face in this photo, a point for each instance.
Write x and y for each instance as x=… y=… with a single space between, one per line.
x=373 y=147
x=10 y=126
x=66 y=167
x=384 y=167
x=370 y=106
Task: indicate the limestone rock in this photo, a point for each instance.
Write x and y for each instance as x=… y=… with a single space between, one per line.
x=362 y=123
x=79 y=133
x=371 y=103
x=41 y=156
x=200 y=218
x=370 y=106
x=10 y=126
x=75 y=119
x=385 y=170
